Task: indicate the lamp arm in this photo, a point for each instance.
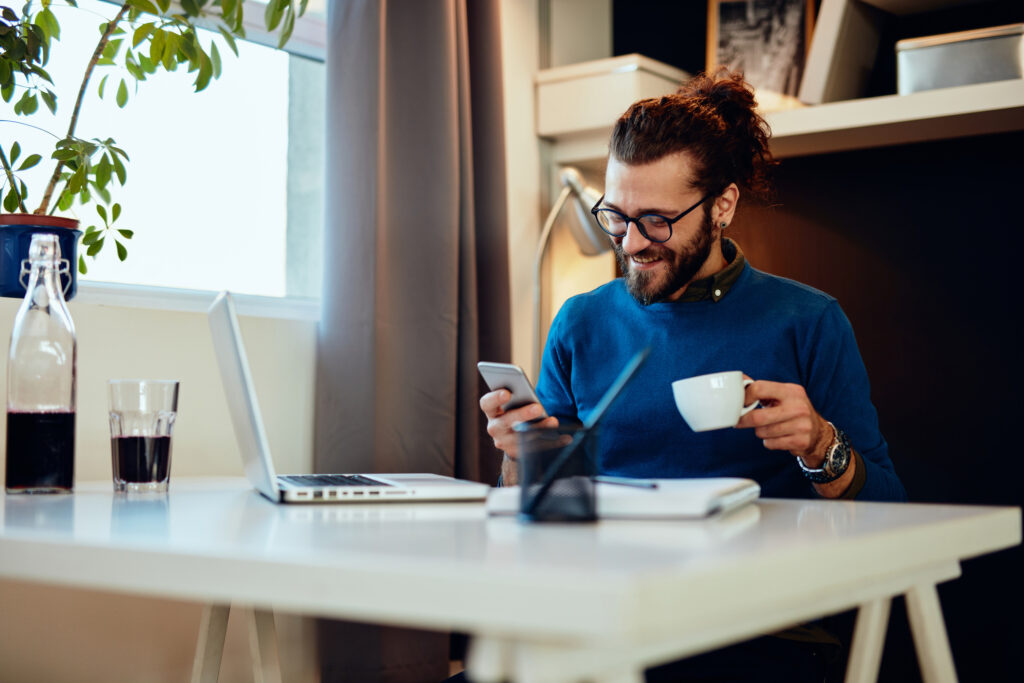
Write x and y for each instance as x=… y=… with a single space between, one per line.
x=542 y=245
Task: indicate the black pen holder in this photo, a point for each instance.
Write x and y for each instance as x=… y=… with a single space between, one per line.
x=556 y=470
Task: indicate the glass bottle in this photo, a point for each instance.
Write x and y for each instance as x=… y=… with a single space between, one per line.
x=41 y=369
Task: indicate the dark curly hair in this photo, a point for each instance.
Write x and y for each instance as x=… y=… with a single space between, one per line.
x=713 y=118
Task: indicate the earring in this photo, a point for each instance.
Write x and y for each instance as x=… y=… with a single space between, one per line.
x=723 y=225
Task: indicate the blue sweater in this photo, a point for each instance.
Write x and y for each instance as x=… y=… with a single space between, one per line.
x=769 y=327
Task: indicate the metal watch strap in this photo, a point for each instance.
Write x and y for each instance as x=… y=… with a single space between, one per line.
x=837 y=459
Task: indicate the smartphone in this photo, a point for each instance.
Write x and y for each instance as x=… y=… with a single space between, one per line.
x=511 y=377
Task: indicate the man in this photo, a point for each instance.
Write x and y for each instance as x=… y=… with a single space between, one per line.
x=677 y=168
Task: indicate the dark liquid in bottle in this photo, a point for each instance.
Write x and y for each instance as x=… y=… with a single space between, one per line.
x=141 y=459
x=40 y=452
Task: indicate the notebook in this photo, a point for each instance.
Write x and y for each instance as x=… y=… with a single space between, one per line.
x=651 y=498
x=307 y=488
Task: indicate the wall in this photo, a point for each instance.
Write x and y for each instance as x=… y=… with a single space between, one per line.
x=54 y=634
x=537 y=34
x=920 y=245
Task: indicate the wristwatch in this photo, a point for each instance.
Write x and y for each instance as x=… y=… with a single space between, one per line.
x=837 y=459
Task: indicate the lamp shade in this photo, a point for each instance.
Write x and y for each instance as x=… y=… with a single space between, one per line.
x=589 y=236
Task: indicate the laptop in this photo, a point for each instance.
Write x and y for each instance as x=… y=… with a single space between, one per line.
x=308 y=488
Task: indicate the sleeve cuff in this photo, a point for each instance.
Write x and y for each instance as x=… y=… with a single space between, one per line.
x=859 y=477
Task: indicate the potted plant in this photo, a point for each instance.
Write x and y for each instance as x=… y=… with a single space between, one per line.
x=140 y=38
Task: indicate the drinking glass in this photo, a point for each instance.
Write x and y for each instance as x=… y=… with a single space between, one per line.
x=142 y=415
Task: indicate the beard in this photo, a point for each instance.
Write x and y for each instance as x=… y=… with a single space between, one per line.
x=682 y=266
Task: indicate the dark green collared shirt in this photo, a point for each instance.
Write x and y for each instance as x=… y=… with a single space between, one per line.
x=717 y=286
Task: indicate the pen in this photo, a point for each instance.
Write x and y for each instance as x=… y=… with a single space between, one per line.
x=625 y=481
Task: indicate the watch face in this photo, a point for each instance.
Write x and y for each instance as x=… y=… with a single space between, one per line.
x=838 y=457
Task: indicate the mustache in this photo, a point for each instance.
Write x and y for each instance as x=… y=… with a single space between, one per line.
x=652 y=251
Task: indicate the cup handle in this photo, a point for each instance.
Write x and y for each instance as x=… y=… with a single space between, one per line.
x=755 y=404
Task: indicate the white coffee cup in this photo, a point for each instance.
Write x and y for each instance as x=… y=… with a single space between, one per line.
x=712 y=401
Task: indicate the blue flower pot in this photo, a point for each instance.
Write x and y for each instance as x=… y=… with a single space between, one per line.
x=16 y=230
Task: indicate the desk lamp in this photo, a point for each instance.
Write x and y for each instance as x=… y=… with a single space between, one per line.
x=590 y=238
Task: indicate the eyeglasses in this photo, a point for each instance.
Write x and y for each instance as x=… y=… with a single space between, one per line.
x=653 y=226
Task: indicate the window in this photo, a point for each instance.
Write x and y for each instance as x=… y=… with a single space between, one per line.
x=224 y=186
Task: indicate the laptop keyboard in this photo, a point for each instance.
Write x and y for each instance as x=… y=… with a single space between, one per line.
x=331 y=480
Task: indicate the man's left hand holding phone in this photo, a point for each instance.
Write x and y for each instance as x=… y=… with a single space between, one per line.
x=511 y=400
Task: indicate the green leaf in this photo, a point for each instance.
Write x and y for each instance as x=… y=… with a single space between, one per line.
x=122 y=94
x=156 y=46
x=50 y=99
x=172 y=42
x=164 y=5
x=135 y=70
x=82 y=270
x=15 y=151
x=145 y=6
x=11 y=201
x=127 y=234
x=287 y=28
x=143 y=32
x=91 y=237
x=117 y=214
x=205 y=73
x=215 y=59
x=229 y=39
x=273 y=13
x=41 y=73
x=103 y=171
x=64 y=154
x=48 y=22
x=122 y=251
x=119 y=171
x=29 y=162
x=228 y=9
x=94 y=248
x=102 y=211
x=112 y=48
x=103 y=85
x=191 y=7
x=77 y=180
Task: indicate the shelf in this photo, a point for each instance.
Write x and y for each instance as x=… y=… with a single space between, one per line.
x=898 y=119
x=859 y=124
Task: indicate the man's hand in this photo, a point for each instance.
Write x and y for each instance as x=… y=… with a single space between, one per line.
x=787 y=421
x=500 y=423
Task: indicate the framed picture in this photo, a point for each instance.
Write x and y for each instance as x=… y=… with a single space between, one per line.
x=767 y=40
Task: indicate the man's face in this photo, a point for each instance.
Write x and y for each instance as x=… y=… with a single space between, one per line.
x=659 y=272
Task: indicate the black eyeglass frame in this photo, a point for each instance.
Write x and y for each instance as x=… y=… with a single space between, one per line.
x=639 y=225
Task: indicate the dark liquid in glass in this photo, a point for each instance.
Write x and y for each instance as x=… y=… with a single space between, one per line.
x=141 y=459
x=40 y=452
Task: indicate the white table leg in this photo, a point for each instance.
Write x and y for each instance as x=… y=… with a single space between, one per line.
x=631 y=676
x=488 y=660
x=266 y=665
x=868 y=641
x=930 y=639
x=210 y=644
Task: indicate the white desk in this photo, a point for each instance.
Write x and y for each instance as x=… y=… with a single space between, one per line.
x=543 y=602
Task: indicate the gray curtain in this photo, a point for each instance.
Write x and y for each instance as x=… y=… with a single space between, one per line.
x=415 y=267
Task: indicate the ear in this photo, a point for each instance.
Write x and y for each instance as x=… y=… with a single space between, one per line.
x=725 y=205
